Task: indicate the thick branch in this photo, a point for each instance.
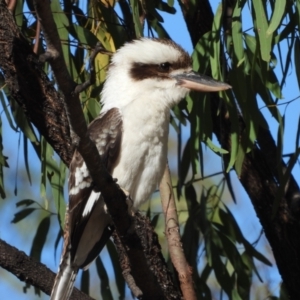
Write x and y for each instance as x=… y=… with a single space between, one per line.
x=31 y=88
x=149 y=241
x=30 y=271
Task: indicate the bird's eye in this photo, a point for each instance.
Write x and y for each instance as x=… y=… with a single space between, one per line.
x=165 y=66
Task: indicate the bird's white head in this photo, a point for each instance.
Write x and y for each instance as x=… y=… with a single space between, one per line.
x=152 y=70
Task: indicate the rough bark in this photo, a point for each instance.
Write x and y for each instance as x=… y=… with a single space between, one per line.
x=31 y=88
x=30 y=270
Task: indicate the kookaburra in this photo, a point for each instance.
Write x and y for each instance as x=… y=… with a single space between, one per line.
x=145 y=79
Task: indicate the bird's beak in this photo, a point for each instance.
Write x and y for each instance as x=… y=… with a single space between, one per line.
x=198 y=82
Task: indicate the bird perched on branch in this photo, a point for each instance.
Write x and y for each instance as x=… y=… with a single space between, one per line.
x=146 y=78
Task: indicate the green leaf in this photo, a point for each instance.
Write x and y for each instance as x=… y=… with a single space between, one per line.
x=26 y=202
x=297 y=13
x=195 y=135
x=84 y=36
x=215 y=35
x=230 y=226
x=40 y=238
x=231 y=251
x=56 y=174
x=297 y=59
x=105 y=288
x=185 y=162
x=171 y=3
x=111 y=29
x=57 y=240
x=18 y=13
x=117 y=269
x=273 y=85
x=234 y=129
x=167 y=8
x=85 y=281
x=38 y=245
x=62 y=23
x=191 y=234
x=202 y=52
x=6 y=111
x=261 y=29
x=220 y=269
x=215 y=148
x=22 y=122
x=59 y=15
x=160 y=30
x=243 y=273
x=25 y=148
x=251 y=251
x=93 y=107
x=136 y=18
x=248 y=261
x=154 y=220
x=230 y=186
x=277 y=15
x=22 y=214
x=237 y=33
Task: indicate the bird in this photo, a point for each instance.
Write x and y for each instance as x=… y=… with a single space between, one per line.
x=145 y=79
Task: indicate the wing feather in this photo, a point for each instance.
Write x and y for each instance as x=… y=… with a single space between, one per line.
x=106 y=132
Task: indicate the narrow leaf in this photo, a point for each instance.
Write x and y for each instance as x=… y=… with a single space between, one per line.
x=277 y=16
x=261 y=29
x=105 y=288
x=22 y=214
x=136 y=18
x=40 y=238
x=297 y=59
x=117 y=269
x=7 y=113
x=26 y=202
x=25 y=147
x=85 y=281
x=84 y=36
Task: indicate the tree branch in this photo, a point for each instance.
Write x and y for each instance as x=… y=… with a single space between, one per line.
x=30 y=87
x=172 y=232
x=31 y=271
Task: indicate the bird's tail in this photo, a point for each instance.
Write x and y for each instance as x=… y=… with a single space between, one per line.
x=64 y=280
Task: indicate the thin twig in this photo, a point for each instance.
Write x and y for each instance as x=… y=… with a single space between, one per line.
x=92 y=79
x=37 y=37
x=173 y=236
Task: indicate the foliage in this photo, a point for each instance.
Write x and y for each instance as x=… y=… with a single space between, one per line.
x=212 y=239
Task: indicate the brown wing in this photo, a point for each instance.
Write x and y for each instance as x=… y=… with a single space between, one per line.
x=106 y=132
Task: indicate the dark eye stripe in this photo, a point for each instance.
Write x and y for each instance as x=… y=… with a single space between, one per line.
x=139 y=71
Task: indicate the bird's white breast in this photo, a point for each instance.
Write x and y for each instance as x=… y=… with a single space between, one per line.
x=143 y=150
